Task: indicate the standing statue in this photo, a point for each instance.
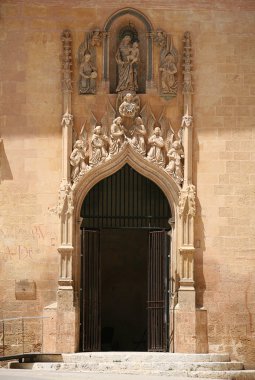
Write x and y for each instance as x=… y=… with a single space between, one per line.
x=127 y=58
x=175 y=167
x=155 y=153
x=88 y=75
x=99 y=143
x=139 y=132
x=168 y=70
x=77 y=159
x=117 y=136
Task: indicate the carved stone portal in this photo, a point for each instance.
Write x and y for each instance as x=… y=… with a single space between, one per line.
x=128 y=134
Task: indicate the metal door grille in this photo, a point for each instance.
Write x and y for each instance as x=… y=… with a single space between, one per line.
x=157 y=291
x=90 y=292
x=126 y=199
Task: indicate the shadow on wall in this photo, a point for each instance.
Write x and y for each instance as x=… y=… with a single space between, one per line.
x=5 y=170
x=200 y=284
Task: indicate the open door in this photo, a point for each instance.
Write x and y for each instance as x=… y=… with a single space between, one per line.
x=90 y=291
x=157 y=292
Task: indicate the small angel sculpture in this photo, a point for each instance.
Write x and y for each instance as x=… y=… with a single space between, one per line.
x=137 y=141
x=175 y=166
x=99 y=143
x=77 y=159
x=78 y=155
x=155 y=153
x=117 y=136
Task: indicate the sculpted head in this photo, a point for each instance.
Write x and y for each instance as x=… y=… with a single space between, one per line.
x=176 y=145
x=87 y=57
x=67 y=119
x=98 y=130
x=187 y=120
x=129 y=97
x=118 y=120
x=138 y=120
x=126 y=40
x=78 y=144
x=157 y=131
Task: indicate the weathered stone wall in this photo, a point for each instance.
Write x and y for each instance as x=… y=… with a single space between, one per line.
x=224 y=149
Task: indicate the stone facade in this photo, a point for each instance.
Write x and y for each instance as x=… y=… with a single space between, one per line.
x=36 y=91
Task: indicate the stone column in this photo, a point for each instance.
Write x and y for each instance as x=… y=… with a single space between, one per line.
x=185 y=311
x=66 y=319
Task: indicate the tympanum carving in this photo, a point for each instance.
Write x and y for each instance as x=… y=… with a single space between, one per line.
x=153 y=139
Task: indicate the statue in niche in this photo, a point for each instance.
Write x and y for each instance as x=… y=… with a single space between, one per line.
x=168 y=70
x=175 y=166
x=127 y=58
x=129 y=107
x=155 y=153
x=138 y=139
x=99 y=143
x=88 y=75
x=87 y=62
x=167 y=64
x=77 y=160
x=117 y=136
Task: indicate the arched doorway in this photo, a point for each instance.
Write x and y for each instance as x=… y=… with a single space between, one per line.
x=125 y=265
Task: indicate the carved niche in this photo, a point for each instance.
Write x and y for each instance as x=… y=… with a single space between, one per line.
x=87 y=61
x=168 y=59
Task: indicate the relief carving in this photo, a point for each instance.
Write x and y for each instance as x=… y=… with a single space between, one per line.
x=137 y=141
x=187 y=201
x=99 y=144
x=175 y=166
x=87 y=62
x=167 y=64
x=156 y=144
x=107 y=138
x=117 y=136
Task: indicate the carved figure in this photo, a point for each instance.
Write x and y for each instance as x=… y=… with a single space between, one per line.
x=186 y=120
x=155 y=153
x=168 y=70
x=127 y=58
x=167 y=63
x=175 y=167
x=128 y=108
x=117 y=136
x=88 y=75
x=187 y=201
x=67 y=120
x=77 y=159
x=139 y=132
x=87 y=62
x=99 y=143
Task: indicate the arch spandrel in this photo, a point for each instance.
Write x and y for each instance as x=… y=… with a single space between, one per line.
x=138 y=163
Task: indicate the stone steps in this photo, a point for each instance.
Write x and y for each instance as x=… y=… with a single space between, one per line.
x=143 y=357
x=207 y=366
